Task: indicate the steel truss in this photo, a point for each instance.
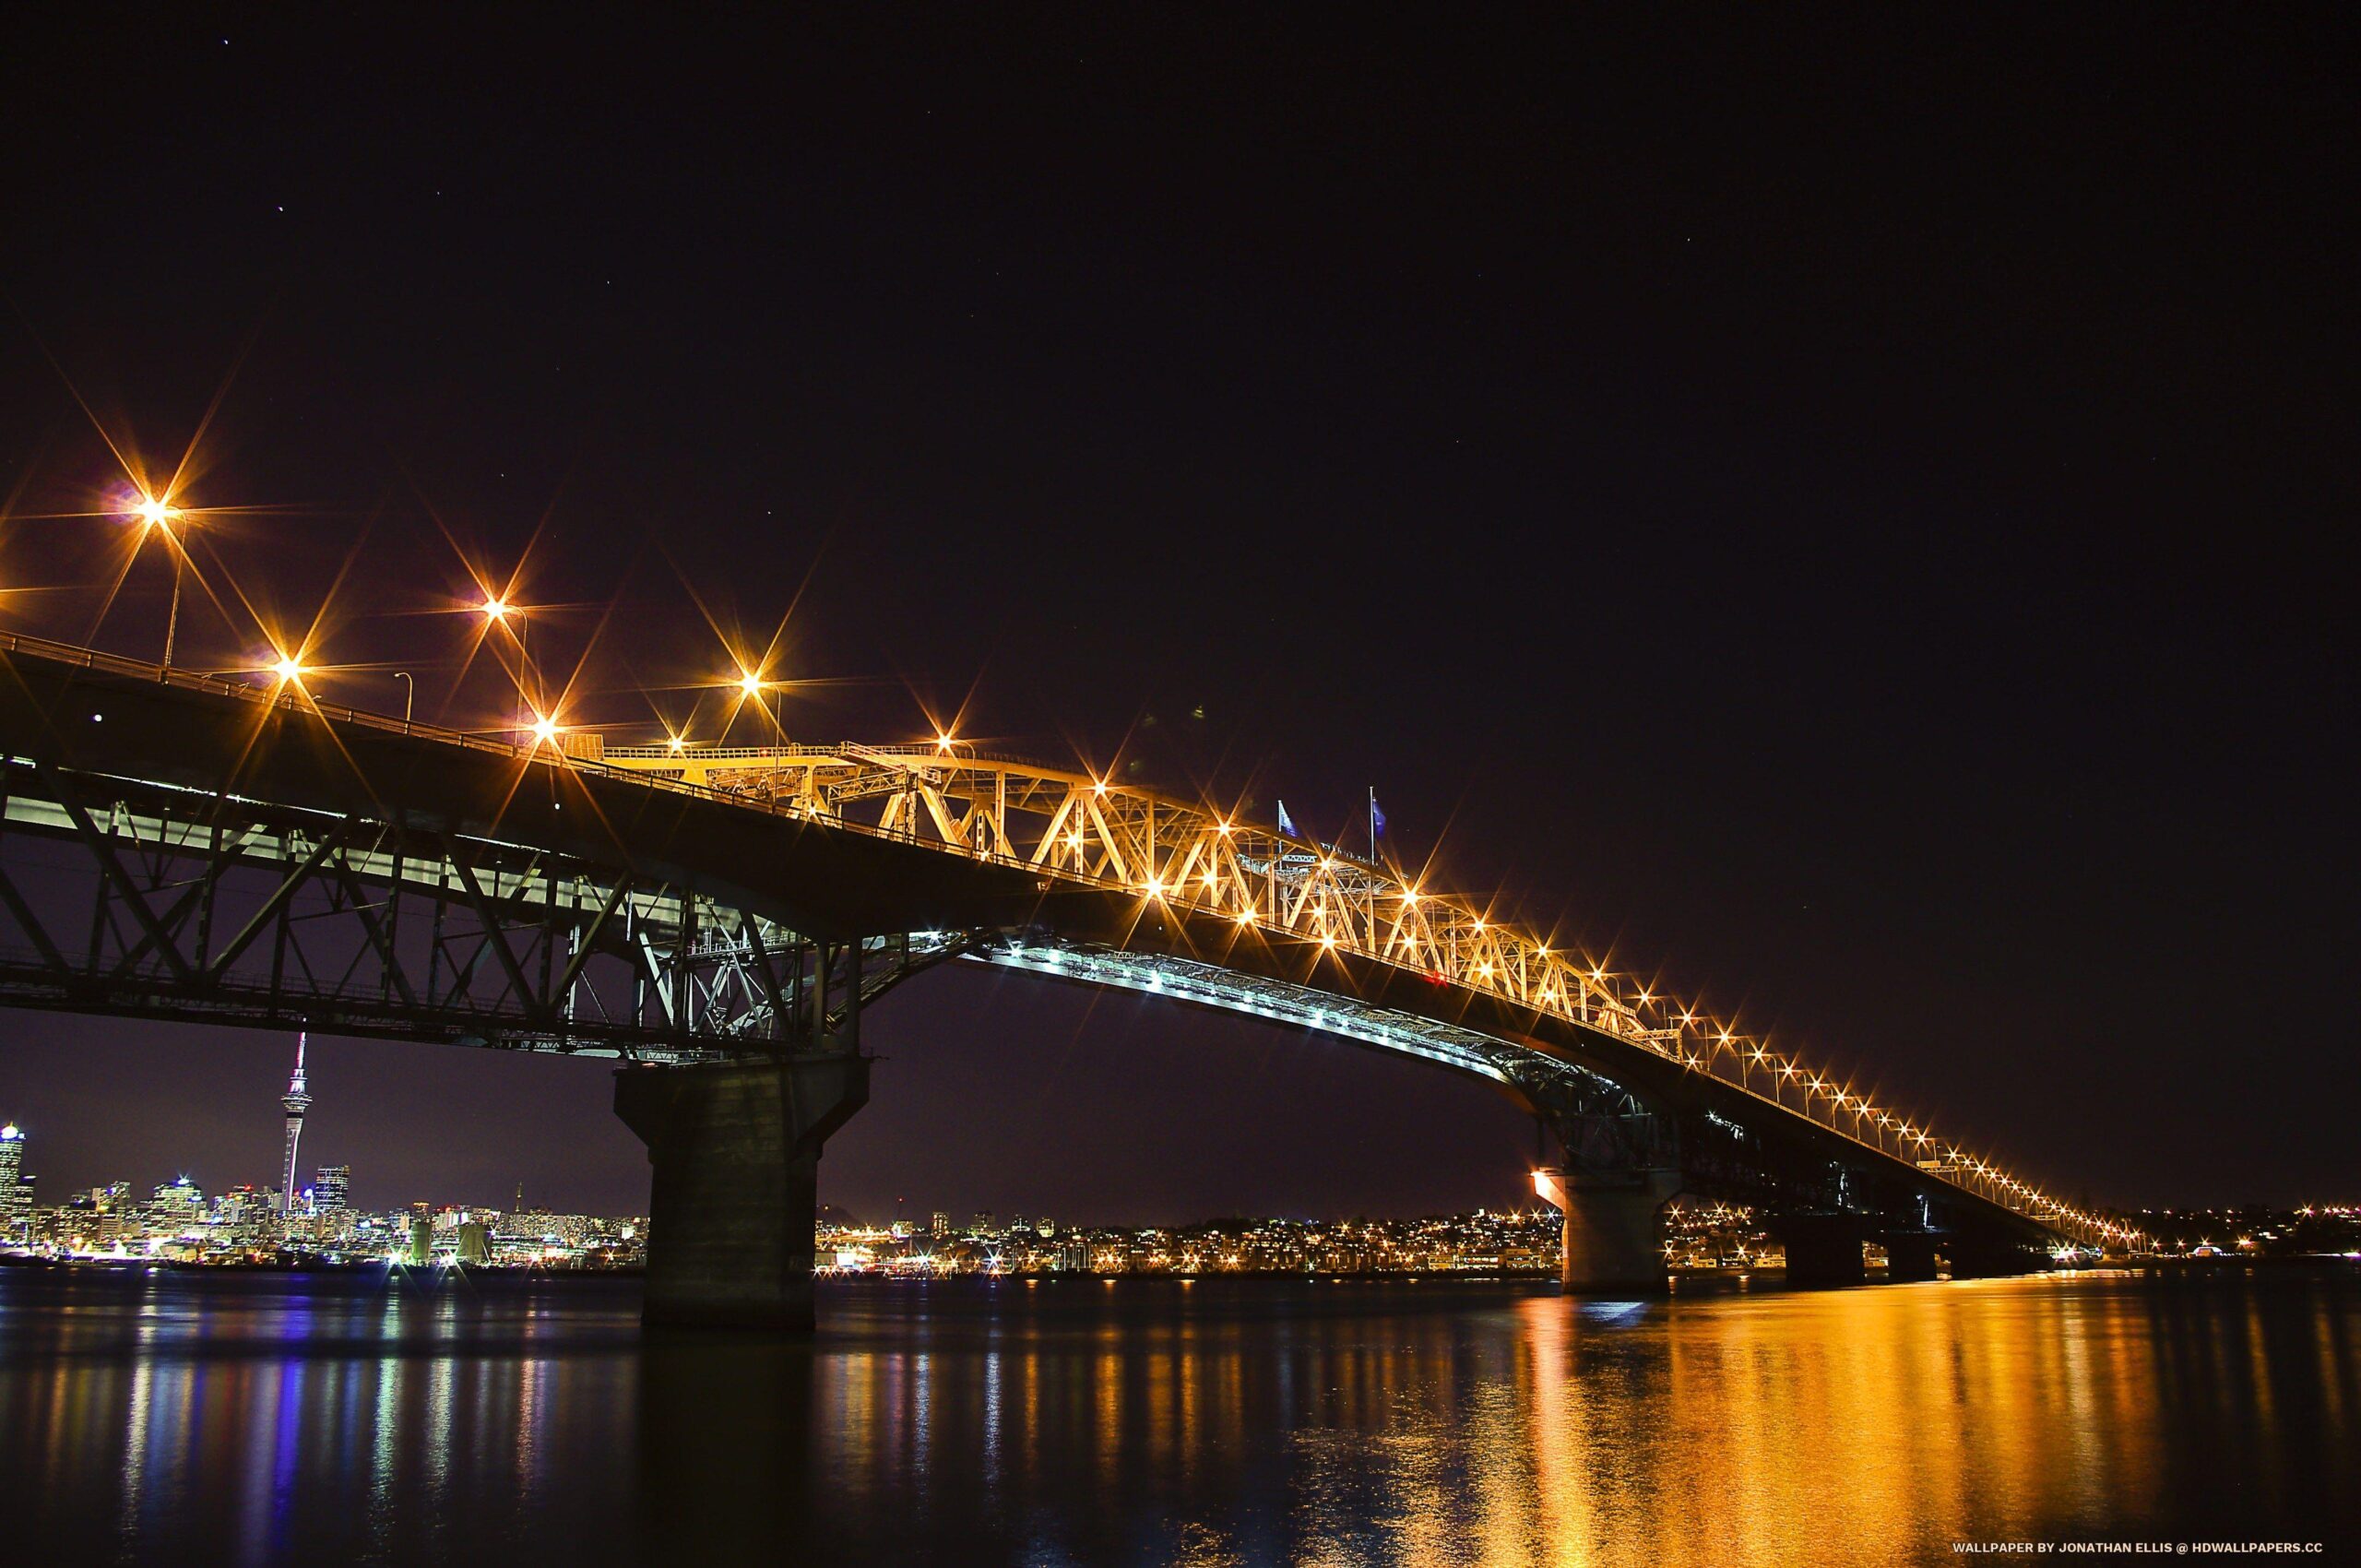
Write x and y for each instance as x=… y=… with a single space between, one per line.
x=1282 y=889
x=206 y=905
x=130 y=896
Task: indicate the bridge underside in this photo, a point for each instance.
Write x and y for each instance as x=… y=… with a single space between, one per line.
x=160 y=858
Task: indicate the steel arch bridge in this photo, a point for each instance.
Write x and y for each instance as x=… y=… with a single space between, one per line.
x=178 y=845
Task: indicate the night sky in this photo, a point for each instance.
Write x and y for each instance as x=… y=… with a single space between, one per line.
x=1840 y=513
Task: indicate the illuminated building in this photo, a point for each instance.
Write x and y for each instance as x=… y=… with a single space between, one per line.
x=177 y=1208
x=332 y=1189
x=15 y=1187
x=941 y=1225
x=297 y=1101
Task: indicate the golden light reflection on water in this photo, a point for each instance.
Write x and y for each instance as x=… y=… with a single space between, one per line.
x=1220 y=1424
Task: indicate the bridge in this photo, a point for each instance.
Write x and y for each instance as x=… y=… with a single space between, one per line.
x=176 y=845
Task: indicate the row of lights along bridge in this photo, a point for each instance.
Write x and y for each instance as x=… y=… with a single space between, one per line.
x=1819 y=1092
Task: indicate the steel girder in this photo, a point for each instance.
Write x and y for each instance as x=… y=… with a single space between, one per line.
x=131 y=896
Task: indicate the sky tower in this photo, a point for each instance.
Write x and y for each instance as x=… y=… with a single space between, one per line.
x=297 y=1101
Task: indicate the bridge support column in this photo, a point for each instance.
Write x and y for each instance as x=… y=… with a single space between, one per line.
x=1972 y=1259
x=736 y=1152
x=1823 y=1249
x=1612 y=1237
x=1909 y=1256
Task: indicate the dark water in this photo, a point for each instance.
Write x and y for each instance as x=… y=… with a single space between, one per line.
x=289 y=1419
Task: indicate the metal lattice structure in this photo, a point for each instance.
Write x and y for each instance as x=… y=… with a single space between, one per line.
x=1295 y=899
x=241 y=904
x=141 y=899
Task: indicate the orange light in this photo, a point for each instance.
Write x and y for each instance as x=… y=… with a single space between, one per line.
x=155 y=513
x=494 y=609
x=674 y=743
x=544 y=731
x=751 y=683
x=288 y=669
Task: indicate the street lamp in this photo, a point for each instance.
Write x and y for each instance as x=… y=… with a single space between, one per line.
x=409 y=695
x=153 y=512
x=496 y=611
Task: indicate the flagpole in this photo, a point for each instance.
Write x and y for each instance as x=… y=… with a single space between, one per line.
x=1372 y=825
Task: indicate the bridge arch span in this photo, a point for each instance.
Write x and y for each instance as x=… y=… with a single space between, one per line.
x=738 y=909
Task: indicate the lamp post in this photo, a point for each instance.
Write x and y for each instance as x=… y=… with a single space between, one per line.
x=409 y=695
x=496 y=613
x=154 y=513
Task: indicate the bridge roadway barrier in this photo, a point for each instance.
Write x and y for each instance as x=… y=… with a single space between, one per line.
x=736 y=1154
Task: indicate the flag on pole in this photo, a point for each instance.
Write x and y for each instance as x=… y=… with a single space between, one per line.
x=1376 y=821
x=1286 y=823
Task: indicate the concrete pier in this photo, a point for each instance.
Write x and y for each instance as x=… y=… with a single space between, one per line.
x=736 y=1152
x=1986 y=1259
x=1909 y=1255
x=1613 y=1237
x=1822 y=1249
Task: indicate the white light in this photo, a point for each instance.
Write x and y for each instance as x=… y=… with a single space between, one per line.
x=494 y=609
x=288 y=669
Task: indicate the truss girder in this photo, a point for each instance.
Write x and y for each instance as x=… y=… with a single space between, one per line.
x=148 y=899
x=1192 y=860
x=455 y=936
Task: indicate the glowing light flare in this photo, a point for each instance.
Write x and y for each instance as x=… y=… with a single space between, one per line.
x=289 y=670
x=493 y=608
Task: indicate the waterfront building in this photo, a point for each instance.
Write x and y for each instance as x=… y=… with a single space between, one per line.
x=176 y=1209
x=15 y=1187
x=332 y=1189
